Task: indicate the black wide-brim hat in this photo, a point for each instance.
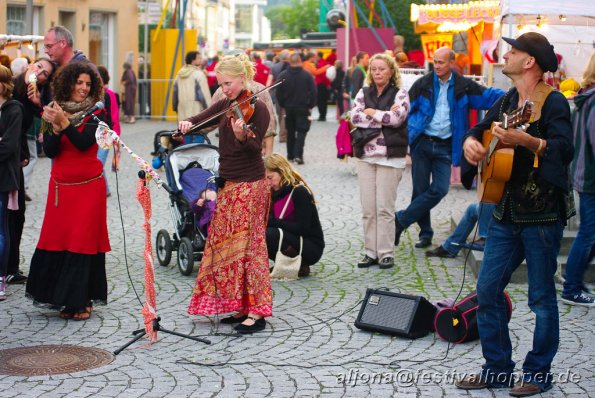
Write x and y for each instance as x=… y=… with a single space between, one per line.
x=536 y=45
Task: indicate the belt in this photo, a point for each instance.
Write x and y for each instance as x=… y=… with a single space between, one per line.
x=436 y=139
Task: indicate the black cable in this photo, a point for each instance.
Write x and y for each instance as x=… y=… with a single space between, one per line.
x=123 y=231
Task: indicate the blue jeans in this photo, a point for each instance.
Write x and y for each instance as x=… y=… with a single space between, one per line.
x=506 y=247
x=3 y=233
x=428 y=159
x=102 y=155
x=583 y=247
x=475 y=211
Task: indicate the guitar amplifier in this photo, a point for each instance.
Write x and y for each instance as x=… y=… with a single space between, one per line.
x=396 y=314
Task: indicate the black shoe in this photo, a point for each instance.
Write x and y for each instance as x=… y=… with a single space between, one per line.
x=398 y=231
x=27 y=198
x=367 y=262
x=423 y=243
x=439 y=252
x=232 y=319
x=304 y=271
x=322 y=119
x=259 y=324
x=299 y=160
x=386 y=263
x=16 y=279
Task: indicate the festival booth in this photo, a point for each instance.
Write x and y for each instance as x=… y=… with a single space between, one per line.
x=439 y=23
x=569 y=26
x=18 y=46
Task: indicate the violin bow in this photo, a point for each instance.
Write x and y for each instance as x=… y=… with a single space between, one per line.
x=215 y=116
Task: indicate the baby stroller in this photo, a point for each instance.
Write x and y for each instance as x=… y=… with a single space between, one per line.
x=187 y=239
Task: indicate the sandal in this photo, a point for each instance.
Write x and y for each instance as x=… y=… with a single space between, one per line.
x=66 y=314
x=84 y=314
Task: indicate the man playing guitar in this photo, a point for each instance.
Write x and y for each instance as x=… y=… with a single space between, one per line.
x=528 y=221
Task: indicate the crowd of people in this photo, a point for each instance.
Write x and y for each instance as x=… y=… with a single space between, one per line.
x=262 y=205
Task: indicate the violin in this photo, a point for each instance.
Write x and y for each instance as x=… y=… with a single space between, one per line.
x=238 y=105
x=242 y=108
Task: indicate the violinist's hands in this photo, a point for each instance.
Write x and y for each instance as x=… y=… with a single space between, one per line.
x=184 y=126
x=239 y=131
x=56 y=116
x=473 y=150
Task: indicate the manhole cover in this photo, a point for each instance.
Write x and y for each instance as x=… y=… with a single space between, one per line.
x=51 y=359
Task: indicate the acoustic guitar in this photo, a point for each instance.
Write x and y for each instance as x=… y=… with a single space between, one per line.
x=495 y=168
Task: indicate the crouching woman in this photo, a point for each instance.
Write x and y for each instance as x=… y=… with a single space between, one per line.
x=293 y=210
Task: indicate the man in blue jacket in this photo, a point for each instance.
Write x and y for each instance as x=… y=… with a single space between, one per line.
x=438 y=118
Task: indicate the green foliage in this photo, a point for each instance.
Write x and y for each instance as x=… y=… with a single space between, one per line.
x=404 y=26
x=141 y=37
x=287 y=22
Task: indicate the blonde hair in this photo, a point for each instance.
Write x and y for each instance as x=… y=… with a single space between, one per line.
x=289 y=176
x=395 y=77
x=6 y=82
x=589 y=73
x=236 y=65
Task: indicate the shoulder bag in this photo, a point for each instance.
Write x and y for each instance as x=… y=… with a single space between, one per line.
x=286 y=268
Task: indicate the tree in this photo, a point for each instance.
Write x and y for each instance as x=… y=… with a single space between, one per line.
x=291 y=21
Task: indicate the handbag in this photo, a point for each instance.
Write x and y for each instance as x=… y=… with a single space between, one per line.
x=360 y=136
x=286 y=268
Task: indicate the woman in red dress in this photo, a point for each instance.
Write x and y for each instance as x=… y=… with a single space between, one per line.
x=68 y=266
x=234 y=271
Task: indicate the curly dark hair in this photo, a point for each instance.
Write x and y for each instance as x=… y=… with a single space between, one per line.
x=66 y=77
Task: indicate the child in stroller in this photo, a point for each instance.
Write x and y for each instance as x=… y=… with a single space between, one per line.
x=190 y=170
x=199 y=189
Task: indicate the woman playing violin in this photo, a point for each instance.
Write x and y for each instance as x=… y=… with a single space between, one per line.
x=234 y=272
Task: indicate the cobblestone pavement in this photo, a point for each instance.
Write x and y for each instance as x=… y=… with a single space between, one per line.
x=310 y=347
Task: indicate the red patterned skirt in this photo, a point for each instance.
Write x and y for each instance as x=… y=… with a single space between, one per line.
x=234 y=271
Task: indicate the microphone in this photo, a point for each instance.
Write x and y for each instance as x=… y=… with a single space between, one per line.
x=96 y=107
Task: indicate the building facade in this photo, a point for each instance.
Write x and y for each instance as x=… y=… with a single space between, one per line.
x=95 y=24
x=250 y=23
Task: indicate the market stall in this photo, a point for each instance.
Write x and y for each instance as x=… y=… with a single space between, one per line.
x=438 y=25
x=18 y=46
x=569 y=26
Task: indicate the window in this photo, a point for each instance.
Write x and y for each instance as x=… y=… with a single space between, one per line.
x=15 y=20
x=101 y=48
x=243 y=18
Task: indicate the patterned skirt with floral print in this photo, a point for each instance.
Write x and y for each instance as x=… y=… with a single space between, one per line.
x=234 y=271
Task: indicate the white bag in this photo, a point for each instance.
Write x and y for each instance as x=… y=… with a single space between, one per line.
x=286 y=268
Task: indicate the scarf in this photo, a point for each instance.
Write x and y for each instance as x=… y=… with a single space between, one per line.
x=74 y=111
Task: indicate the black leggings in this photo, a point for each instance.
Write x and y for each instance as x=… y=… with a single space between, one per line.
x=311 y=252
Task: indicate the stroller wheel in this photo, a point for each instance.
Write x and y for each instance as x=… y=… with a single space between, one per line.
x=163 y=247
x=185 y=256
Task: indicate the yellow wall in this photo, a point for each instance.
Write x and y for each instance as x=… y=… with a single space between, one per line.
x=163 y=48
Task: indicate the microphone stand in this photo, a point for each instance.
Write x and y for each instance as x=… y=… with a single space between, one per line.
x=156 y=326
